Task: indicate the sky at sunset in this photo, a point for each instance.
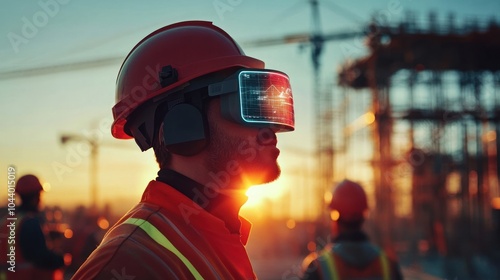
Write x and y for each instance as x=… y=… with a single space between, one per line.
x=37 y=109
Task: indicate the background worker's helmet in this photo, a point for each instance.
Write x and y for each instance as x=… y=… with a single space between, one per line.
x=349 y=200
x=28 y=184
x=164 y=63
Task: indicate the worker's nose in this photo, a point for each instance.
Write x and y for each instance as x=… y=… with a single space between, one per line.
x=266 y=137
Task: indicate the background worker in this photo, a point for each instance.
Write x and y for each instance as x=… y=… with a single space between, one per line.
x=210 y=113
x=350 y=255
x=33 y=257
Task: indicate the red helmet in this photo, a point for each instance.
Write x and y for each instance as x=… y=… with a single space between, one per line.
x=167 y=59
x=28 y=184
x=349 y=199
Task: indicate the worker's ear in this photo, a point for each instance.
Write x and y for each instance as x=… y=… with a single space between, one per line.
x=184 y=130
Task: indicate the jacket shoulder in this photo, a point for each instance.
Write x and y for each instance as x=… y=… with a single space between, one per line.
x=127 y=252
x=130 y=259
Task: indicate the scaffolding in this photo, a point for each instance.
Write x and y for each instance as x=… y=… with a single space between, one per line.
x=437 y=88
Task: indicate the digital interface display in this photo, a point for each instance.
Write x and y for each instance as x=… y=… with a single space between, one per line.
x=266 y=97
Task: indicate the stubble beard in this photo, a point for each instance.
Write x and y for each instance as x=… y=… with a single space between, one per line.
x=224 y=151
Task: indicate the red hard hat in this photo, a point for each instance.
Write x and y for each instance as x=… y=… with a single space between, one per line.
x=28 y=184
x=349 y=199
x=192 y=48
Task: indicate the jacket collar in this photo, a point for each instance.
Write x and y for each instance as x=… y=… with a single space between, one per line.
x=193 y=198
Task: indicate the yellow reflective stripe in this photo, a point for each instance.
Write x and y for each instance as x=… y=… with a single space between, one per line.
x=331 y=260
x=161 y=239
x=385 y=266
x=327 y=263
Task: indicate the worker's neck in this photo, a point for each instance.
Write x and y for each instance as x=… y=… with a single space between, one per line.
x=339 y=229
x=29 y=207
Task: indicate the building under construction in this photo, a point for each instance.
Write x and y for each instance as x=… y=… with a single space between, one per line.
x=435 y=95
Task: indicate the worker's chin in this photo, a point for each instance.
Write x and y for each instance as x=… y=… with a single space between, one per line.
x=263 y=175
x=272 y=174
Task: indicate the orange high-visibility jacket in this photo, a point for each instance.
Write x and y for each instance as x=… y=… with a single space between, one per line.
x=168 y=236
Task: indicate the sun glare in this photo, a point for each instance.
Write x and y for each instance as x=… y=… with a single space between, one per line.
x=257 y=195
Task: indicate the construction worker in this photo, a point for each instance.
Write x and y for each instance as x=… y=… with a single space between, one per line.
x=33 y=257
x=350 y=255
x=211 y=114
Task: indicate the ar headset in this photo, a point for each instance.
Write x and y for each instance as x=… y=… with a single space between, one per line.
x=251 y=97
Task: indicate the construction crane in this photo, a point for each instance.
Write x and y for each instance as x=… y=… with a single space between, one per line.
x=94 y=143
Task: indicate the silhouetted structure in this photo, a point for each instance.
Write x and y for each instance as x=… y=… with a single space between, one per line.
x=440 y=87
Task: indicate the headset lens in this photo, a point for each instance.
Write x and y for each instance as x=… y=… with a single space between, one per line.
x=266 y=97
